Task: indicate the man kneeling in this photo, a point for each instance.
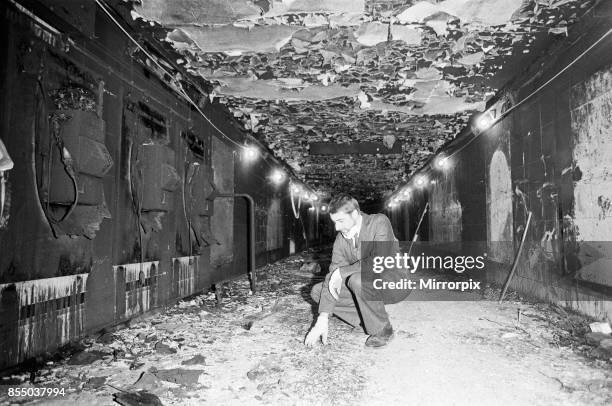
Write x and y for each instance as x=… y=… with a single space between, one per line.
x=344 y=292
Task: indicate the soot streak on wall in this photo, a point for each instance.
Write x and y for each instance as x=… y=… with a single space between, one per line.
x=446 y=211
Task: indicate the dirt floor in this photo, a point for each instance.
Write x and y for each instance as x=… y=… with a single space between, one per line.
x=250 y=351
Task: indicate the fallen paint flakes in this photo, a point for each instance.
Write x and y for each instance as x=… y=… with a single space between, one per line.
x=87 y=357
x=196 y=360
x=272 y=363
x=601 y=327
x=137 y=399
x=164 y=348
x=179 y=376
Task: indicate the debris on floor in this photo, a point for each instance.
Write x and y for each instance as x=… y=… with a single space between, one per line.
x=249 y=350
x=599 y=327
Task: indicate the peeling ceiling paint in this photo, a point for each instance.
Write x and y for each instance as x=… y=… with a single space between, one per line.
x=300 y=71
x=236 y=40
x=282 y=89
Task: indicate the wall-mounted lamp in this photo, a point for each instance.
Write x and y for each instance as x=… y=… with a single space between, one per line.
x=250 y=153
x=442 y=162
x=311 y=196
x=278 y=176
x=484 y=121
x=405 y=197
x=295 y=188
x=421 y=181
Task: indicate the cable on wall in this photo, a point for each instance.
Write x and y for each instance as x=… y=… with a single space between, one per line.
x=296 y=212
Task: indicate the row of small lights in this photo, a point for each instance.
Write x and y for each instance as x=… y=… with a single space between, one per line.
x=278 y=176
x=440 y=163
x=300 y=190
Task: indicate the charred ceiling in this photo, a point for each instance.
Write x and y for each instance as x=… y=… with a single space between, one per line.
x=296 y=72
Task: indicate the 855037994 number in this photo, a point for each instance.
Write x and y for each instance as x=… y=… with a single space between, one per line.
x=35 y=392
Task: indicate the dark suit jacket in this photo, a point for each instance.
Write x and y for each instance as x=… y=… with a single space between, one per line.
x=375 y=227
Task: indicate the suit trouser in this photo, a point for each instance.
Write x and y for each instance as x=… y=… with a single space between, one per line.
x=352 y=306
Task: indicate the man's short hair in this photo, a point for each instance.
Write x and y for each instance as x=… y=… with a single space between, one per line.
x=343 y=203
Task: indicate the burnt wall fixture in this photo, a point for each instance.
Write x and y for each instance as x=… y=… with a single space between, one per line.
x=73 y=165
x=107 y=201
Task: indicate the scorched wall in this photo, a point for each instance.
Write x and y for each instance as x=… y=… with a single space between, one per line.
x=83 y=113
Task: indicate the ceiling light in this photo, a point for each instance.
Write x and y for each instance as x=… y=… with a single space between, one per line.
x=484 y=121
x=250 y=153
x=278 y=176
x=421 y=181
x=442 y=162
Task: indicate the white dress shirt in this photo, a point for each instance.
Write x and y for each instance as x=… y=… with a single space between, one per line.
x=353 y=233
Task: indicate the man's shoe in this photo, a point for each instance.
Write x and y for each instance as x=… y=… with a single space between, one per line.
x=381 y=338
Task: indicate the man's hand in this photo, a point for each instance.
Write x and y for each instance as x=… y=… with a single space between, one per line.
x=335 y=283
x=319 y=330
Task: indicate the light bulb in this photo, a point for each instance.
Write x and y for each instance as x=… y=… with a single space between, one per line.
x=421 y=181
x=484 y=121
x=442 y=162
x=278 y=176
x=250 y=153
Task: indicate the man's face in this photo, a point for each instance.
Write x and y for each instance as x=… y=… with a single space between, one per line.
x=344 y=221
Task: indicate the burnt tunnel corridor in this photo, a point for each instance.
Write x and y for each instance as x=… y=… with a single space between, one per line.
x=306 y=202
